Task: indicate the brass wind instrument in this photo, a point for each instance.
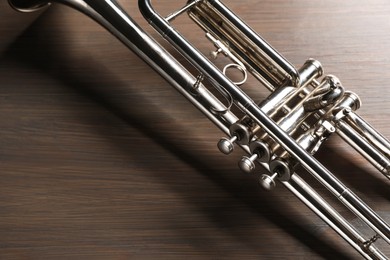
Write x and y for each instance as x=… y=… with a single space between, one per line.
x=280 y=133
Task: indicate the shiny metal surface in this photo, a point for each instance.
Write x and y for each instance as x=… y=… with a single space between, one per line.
x=294 y=121
x=248 y=106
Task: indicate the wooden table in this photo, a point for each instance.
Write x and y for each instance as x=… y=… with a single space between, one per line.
x=101 y=159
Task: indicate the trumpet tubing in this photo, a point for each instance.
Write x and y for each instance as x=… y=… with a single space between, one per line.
x=280 y=133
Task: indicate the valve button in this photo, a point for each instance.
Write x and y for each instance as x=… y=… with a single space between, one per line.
x=226 y=145
x=268 y=182
x=247 y=164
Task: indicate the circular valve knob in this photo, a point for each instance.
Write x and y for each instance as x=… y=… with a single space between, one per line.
x=268 y=182
x=226 y=145
x=247 y=164
x=260 y=151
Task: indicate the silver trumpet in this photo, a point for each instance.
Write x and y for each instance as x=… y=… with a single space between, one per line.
x=283 y=131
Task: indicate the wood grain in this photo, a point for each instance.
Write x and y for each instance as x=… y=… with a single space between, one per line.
x=101 y=159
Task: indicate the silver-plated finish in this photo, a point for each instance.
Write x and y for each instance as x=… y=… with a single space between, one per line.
x=332 y=217
x=173 y=15
x=276 y=99
x=226 y=145
x=242 y=131
x=327 y=94
x=349 y=100
x=365 y=139
x=279 y=133
x=352 y=202
x=267 y=182
x=237 y=64
x=265 y=63
x=262 y=149
x=282 y=167
x=380 y=160
x=368 y=132
x=309 y=71
x=247 y=164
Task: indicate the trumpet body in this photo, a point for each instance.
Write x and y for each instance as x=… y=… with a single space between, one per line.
x=279 y=133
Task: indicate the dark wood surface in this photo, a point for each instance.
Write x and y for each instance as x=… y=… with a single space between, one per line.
x=101 y=159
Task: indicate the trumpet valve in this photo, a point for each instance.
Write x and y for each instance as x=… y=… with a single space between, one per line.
x=226 y=145
x=247 y=164
x=280 y=169
x=267 y=182
x=240 y=133
x=260 y=151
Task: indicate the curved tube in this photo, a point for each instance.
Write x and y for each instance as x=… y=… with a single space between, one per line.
x=111 y=16
x=312 y=165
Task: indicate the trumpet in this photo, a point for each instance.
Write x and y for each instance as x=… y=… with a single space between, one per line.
x=282 y=132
